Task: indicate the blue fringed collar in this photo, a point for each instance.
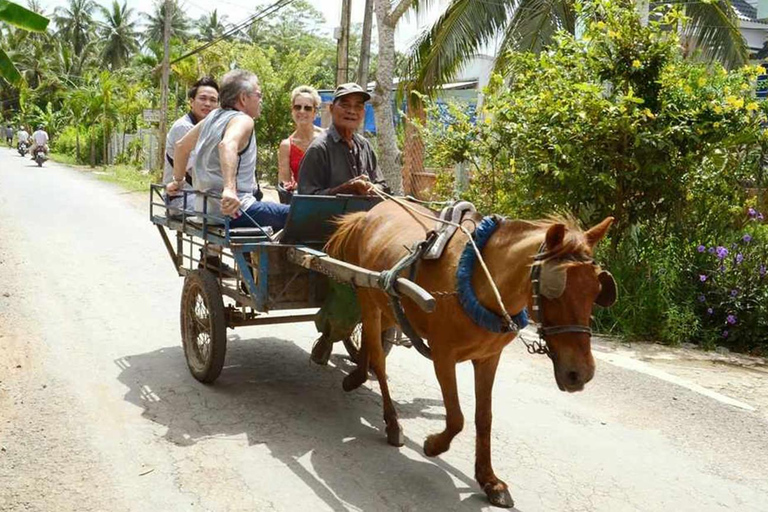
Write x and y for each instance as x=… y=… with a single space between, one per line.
x=479 y=314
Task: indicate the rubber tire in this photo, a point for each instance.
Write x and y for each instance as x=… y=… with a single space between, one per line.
x=352 y=343
x=39 y=162
x=203 y=283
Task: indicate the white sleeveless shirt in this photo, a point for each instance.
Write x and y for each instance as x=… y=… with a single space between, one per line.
x=207 y=171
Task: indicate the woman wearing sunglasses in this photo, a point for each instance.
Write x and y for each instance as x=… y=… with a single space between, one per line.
x=304 y=104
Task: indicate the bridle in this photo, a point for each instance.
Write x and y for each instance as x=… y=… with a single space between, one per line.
x=539 y=346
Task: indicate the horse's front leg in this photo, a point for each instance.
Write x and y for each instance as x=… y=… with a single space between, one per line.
x=494 y=488
x=445 y=369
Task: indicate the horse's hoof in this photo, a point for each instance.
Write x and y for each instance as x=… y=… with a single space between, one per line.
x=395 y=436
x=498 y=496
x=353 y=380
x=430 y=446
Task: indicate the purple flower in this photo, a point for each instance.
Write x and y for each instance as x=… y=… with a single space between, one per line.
x=734 y=292
x=711 y=250
x=702 y=298
x=752 y=212
x=725 y=334
x=710 y=311
x=760 y=217
x=731 y=319
x=721 y=268
x=762 y=270
x=702 y=277
x=739 y=258
x=747 y=238
x=701 y=248
x=722 y=252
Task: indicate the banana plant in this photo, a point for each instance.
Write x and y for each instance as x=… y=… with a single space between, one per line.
x=23 y=18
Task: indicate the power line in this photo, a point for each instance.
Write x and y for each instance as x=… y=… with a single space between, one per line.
x=258 y=16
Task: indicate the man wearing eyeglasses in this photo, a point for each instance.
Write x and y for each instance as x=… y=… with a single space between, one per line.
x=341 y=161
x=203 y=98
x=225 y=161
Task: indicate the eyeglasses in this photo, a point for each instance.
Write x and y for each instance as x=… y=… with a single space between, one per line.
x=257 y=94
x=305 y=108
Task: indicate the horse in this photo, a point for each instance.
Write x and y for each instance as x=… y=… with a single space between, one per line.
x=570 y=283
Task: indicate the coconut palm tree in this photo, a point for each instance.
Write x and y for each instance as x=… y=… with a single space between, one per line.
x=467 y=26
x=211 y=26
x=118 y=32
x=180 y=23
x=75 y=23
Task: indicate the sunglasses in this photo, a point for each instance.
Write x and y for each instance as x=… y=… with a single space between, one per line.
x=305 y=108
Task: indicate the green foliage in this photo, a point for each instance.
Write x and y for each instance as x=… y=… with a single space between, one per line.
x=618 y=123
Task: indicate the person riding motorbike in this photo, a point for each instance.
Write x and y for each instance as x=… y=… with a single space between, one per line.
x=22 y=137
x=39 y=141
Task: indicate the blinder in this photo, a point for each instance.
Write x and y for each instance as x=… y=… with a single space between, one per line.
x=607 y=296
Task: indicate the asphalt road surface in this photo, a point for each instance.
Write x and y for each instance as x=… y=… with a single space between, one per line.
x=99 y=413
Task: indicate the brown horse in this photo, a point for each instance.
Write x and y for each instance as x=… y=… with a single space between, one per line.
x=378 y=239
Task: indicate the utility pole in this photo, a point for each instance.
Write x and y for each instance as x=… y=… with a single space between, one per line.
x=365 y=46
x=342 y=52
x=168 y=5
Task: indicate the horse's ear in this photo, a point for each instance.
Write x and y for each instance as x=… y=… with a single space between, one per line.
x=555 y=235
x=597 y=233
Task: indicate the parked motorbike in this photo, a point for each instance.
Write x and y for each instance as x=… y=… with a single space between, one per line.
x=23 y=148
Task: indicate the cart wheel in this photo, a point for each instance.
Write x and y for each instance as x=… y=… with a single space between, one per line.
x=352 y=343
x=203 y=325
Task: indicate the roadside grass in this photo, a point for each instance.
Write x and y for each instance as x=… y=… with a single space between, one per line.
x=129 y=178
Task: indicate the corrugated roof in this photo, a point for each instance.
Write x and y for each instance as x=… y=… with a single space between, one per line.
x=744 y=10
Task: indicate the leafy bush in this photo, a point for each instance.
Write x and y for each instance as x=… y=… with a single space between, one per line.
x=619 y=123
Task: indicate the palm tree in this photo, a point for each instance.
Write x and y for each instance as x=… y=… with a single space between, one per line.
x=75 y=23
x=211 y=26
x=467 y=26
x=119 y=35
x=156 y=21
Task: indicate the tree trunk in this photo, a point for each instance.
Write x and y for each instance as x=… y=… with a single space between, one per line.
x=93 y=150
x=77 y=144
x=382 y=99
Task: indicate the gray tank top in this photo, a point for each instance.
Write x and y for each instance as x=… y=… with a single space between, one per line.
x=208 y=177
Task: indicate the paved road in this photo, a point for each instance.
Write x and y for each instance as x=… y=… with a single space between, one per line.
x=98 y=411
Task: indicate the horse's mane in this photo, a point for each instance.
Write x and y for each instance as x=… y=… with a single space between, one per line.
x=346 y=226
x=574 y=246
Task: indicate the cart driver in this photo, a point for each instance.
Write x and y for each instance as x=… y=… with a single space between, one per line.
x=341 y=161
x=225 y=147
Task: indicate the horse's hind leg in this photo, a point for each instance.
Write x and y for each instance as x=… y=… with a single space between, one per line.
x=494 y=488
x=445 y=369
x=371 y=320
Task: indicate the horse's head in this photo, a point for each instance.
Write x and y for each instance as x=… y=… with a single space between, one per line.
x=570 y=284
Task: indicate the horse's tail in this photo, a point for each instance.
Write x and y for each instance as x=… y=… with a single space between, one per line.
x=346 y=228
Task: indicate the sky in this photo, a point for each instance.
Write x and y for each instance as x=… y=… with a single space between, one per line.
x=237 y=10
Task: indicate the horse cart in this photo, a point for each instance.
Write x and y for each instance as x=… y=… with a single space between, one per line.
x=251 y=276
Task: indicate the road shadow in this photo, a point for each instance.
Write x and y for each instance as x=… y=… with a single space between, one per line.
x=270 y=392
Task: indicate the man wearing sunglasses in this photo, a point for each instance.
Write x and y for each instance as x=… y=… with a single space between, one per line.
x=341 y=161
x=203 y=97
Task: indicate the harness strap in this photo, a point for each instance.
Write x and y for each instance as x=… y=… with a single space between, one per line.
x=388 y=279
